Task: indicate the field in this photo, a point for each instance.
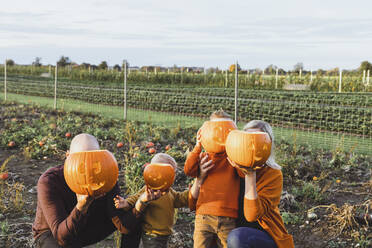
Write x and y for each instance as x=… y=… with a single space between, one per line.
x=338 y=117
x=327 y=192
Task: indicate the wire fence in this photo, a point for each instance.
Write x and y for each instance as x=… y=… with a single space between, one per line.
x=325 y=120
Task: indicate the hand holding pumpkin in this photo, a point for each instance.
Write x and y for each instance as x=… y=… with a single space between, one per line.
x=83 y=202
x=198 y=137
x=120 y=202
x=242 y=169
x=151 y=195
x=146 y=197
x=205 y=166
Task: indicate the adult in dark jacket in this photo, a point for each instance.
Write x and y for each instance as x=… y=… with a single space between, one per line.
x=66 y=219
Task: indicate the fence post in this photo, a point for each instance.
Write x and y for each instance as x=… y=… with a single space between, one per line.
x=226 y=79
x=300 y=73
x=125 y=89
x=340 y=82
x=181 y=69
x=236 y=92
x=368 y=77
x=55 y=86
x=364 y=76
x=5 y=80
x=205 y=75
x=276 y=78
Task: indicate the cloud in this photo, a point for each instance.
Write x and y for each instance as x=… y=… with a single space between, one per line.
x=193 y=32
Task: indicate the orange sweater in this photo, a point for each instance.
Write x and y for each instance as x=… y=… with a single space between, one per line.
x=265 y=210
x=220 y=191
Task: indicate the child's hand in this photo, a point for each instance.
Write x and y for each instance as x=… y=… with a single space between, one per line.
x=120 y=202
x=151 y=195
x=205 y=166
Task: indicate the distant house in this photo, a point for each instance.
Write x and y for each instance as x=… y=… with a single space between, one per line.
x=134 y=68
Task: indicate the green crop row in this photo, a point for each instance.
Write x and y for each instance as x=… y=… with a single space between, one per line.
x=345 y=113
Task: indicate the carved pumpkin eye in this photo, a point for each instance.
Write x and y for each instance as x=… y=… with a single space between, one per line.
x=91 y=173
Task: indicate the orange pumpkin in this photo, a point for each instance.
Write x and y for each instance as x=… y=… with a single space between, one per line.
x=248 y=149
x=91 y=172
x=159 y=176
x=214 y=134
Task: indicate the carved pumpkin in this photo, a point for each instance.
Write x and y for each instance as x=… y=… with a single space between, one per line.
x=214 y=134
x=159 y=176
x=248 y=149
x=91 y=172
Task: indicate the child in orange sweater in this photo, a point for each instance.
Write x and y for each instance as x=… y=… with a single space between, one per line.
x=217 y=205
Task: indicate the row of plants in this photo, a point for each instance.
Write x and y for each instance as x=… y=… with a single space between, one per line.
x=251 y=81
x=343 y=99
x=278 y=110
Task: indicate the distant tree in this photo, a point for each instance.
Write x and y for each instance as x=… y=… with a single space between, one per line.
x=103 y=65
x=333 y=72
x=125 y=61
x=117 y=67
x=320 y=72
x=232 y=68
x=37 y=62
x=84 y=65
x=64 y=61
x=212 y=70
x=10 y=62
x=281 y=71
x=271 y=69
x=365 y=65
x=297 y=67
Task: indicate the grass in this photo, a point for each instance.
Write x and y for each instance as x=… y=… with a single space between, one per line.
x=326 y=140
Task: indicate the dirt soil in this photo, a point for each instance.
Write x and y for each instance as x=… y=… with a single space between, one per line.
x=325 y=196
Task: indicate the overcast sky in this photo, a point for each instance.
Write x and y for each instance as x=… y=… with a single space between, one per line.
x=321 y=34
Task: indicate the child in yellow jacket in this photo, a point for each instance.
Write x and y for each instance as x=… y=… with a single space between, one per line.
x=158 y=208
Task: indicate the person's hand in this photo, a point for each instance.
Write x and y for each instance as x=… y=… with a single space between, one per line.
x=120 y=202
x=205 y=166
x=198 y=137
x=83 y=202
x=148 y=196
x=151 y=195
x=244 y=170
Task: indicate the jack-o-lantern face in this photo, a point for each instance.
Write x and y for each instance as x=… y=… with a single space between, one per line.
x=248 y=149
x=159 y=176
x=91 y=173
x=214 y=134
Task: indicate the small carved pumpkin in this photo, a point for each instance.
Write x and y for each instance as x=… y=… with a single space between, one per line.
x=214 y=134
x=248 y=149
x=91 y=172
x=159 y=176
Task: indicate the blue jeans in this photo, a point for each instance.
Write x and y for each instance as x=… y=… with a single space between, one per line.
x=247 y=237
